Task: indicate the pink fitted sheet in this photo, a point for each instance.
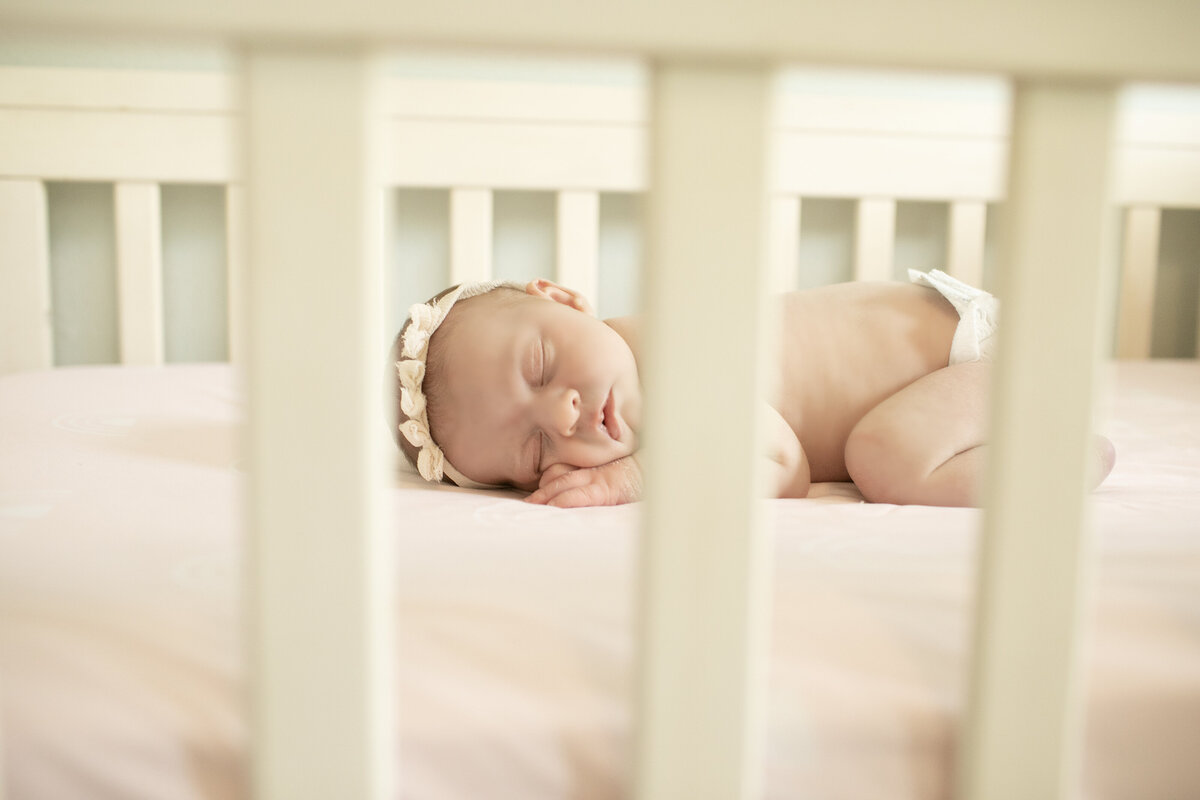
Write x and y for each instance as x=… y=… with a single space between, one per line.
x=120 y=672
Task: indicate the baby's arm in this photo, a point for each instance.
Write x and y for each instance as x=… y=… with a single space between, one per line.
x=620 y=481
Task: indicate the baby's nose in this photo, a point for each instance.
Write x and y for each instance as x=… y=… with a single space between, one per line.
x=563 y=412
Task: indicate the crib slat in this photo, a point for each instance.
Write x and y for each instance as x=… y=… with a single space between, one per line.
x=578 y=242
x=785 y=242
x=139 y=272
x=470 y=235
x=1139 y=273
x=235 y=271
x=1024 y=725
x=966 y=233
x=3 y=778
x=874 y=239
x=319 y=597
x=705 y=581
x=25 y=323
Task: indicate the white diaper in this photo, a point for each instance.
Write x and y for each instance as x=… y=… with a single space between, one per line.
x=978 y=312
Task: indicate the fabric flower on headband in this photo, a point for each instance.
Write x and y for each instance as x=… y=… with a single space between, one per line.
x=412 y=401
x=424 y=319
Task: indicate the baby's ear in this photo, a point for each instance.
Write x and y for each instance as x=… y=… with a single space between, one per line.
x=559 y=294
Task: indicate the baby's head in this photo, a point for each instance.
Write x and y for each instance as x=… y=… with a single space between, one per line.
x=499 y=384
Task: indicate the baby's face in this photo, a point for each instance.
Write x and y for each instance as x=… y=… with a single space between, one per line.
x=532 y=384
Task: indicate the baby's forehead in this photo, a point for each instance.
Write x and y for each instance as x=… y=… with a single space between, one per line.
x=485 y=316
x=476 y=338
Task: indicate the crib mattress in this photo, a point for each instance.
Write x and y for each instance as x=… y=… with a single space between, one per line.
x=120 y=651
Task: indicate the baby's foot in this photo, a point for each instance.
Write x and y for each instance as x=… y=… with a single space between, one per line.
x=1106 y=456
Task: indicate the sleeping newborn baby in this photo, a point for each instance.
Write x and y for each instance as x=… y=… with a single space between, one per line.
x=884 y=384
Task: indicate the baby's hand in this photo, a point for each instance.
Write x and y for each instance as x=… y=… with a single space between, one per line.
x=609 y=484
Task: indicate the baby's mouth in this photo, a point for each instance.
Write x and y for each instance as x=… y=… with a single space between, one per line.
x=608 y=418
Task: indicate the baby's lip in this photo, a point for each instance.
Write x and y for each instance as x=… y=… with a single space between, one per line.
x=609 y=417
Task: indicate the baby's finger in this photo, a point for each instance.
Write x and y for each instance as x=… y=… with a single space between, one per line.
x=553 y=472
x=588 y=495
x=559 y=485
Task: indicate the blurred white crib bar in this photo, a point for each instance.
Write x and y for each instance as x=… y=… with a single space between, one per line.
x=311 y=242
x=1139 y=260
x=874 y=239
x=139 y=272
x=965 y=241
x=1022 y=738
x=704 y=628
x=470 y=235
x=25 y=269
x=320 y=601
x=577 y=240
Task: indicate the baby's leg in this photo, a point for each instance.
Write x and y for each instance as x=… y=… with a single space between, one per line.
x=926 y=443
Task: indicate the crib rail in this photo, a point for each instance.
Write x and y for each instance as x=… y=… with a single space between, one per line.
x=285 y=88
x=474 y=138
x=1155 y=35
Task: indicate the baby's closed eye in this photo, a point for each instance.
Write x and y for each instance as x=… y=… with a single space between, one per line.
x=533 y=364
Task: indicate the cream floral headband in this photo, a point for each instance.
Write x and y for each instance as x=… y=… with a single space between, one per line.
x=424 y=319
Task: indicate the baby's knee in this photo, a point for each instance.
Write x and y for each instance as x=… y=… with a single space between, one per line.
x=873 y=464
x=890 y=465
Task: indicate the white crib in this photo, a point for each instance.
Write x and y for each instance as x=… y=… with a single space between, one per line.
x=297 y=139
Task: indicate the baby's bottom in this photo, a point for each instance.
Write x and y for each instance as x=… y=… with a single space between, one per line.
x=926 y=444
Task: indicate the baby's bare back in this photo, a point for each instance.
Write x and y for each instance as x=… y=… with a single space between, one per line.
x=847 y=347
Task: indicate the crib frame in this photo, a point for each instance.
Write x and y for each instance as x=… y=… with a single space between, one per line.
x=308 y=74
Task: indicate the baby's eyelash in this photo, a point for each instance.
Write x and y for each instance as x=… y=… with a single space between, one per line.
x=542 y=360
